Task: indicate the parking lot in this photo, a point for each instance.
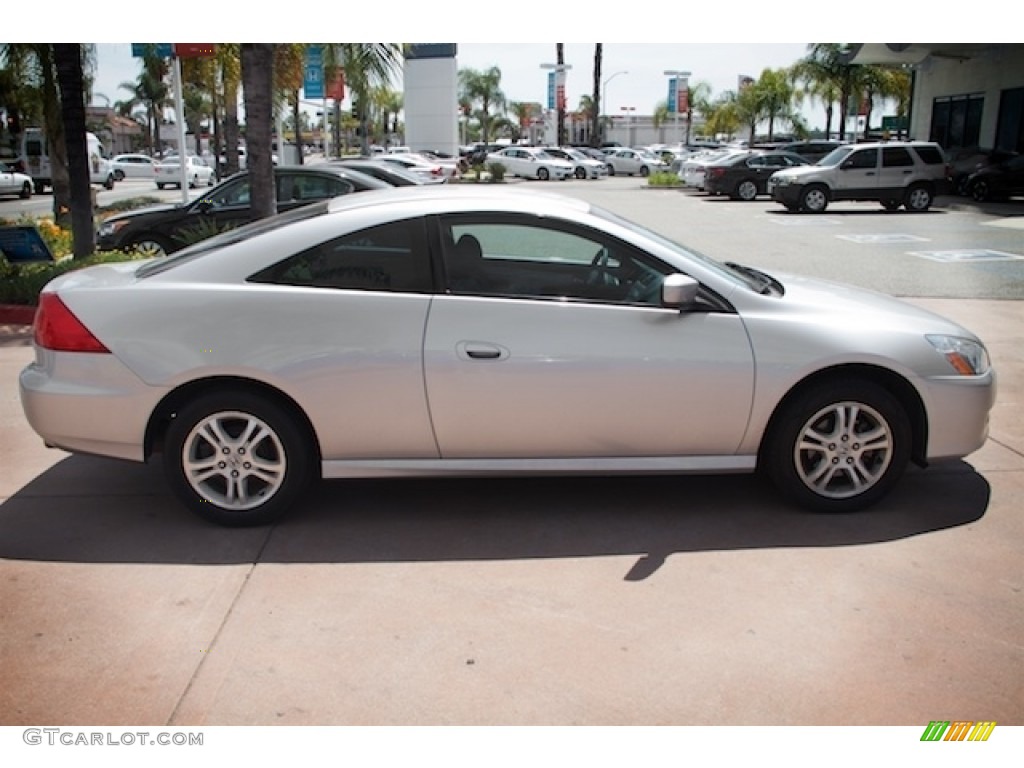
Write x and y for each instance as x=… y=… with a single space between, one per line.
x=638 y=601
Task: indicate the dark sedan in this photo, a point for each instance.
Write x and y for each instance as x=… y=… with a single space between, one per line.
x=162 y=229
x=744 y=177
x=1003 y=178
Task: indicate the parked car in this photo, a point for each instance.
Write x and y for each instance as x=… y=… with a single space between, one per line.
x=390 y=173
x=893 y=173
x=745 y=176
x=812 y=150
x=632 y=161
x=14 y=183
x=419 y=164
x=373 y=334
x=532 y=163
x=1001 y=178
x=586 y=167
x=133 y=166
x=162 y=229
x=168 y=172
x=692 y=169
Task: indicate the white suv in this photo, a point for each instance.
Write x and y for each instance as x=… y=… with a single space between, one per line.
x=893 y=173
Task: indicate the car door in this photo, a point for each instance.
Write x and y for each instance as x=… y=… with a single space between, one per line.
x=857 y=174
x=6 y=180
x=557 y=347
x=897 y=168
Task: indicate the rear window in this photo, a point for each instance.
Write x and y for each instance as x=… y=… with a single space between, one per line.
x=232 y=236
x=930 y=155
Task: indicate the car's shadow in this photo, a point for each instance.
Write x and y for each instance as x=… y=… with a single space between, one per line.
x=102 y=511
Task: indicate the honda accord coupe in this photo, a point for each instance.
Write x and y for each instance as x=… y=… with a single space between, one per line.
x=475 y=331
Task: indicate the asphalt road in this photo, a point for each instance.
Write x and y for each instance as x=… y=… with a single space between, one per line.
x=601 y=601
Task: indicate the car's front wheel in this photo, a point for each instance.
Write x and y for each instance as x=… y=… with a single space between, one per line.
x=150 y=246
x=26 y=190
x=645 y=171
x=237 y=459
x=814 y=199
x=980 y=191
x=542 y=174
x=839 y=447
x=118 y=175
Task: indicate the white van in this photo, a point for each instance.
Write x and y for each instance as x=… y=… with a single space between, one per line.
x=36 y=158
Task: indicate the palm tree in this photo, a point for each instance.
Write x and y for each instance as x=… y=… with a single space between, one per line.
x=68 y=63
x=366 y=66
x=659 y=118
x=560 y=93
x=258 y=92
x=483 y=88
x=774 y=93
x=151 y=91
x=229 y=63
x=289 y=72
x=698 y=96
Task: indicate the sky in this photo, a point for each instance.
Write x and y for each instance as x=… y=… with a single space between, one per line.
x=632 y=73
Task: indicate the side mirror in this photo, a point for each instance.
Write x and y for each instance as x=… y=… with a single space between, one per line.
x=204 y=206
x=678 y=291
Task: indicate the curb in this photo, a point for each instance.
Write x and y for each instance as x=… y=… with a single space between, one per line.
x=15 y=314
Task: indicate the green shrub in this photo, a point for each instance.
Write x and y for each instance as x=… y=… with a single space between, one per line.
x=497 y=171
x=663 y=179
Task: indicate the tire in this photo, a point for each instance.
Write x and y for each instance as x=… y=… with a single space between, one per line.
x=891 y=205
x=918 y=199
x=611 y=169
x=542 y=174
x=40 y=187
x=26 y=190
x=839 y=447
x=118 y=175
x=150 y=246
x=159 y=185
x=645 y=171
x=980 y=191
x=194 y=182
x=237 y=459
x=814 y=199
x=746 y=190
x=109 y=183
x=581 y=172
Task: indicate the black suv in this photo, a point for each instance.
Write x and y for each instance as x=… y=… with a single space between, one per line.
x=163 y=229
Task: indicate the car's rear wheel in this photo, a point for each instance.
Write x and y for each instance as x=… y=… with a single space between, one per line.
x=838 y=447
x=746 y=190
x=26 y=190
x=150 y=246
x=814 y=199
x=645 y=171
x=159 y=185
x=542 y=174
x=237 y=459
x=980 y=190
x=918 y=199
x=118 y=175
x=581 y=172
x=611 y=169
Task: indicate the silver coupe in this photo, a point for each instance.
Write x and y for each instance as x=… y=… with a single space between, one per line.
x=475 y=330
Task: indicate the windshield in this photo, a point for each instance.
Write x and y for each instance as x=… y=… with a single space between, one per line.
x=836 y=156
x=232 y=236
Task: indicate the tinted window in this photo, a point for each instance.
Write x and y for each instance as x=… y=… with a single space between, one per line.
x=390 y=257
x=895 y=157
x=306 y=187
x=930 y=155
x=865 y=158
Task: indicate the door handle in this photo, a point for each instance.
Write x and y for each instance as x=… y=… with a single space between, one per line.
x=481 y=350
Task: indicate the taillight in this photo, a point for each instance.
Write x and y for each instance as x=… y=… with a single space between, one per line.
x=57 y=328
x=436 y=171
x=716 y=172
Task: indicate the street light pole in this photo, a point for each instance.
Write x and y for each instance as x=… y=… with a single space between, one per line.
x=604 y=91
x=681 y=86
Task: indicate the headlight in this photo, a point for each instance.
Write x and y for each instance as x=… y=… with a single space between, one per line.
x=967 y=357
x=109 y=228
x=781 y=181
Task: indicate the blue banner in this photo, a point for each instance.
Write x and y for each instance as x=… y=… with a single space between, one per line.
x=313 y=79
x=163 y=50
x=551 y=90
x=672 y=95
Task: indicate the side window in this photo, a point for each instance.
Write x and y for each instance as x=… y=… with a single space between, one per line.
x=303 y=188
x=531 y=259
x=390 y=257
x=896 y=157
x=930 y=155
x=865 y=158
x=231 y=195
x=757 y=161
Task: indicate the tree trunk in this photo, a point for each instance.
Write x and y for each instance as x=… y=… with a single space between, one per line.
x=230 y=128
x=258 y=93
x=595 y=127
x=560 y=93
x=53 y=128
x=298 y=131
x=68 y=60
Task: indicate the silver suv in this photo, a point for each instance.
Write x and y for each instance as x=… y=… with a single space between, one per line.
x=893 y=173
